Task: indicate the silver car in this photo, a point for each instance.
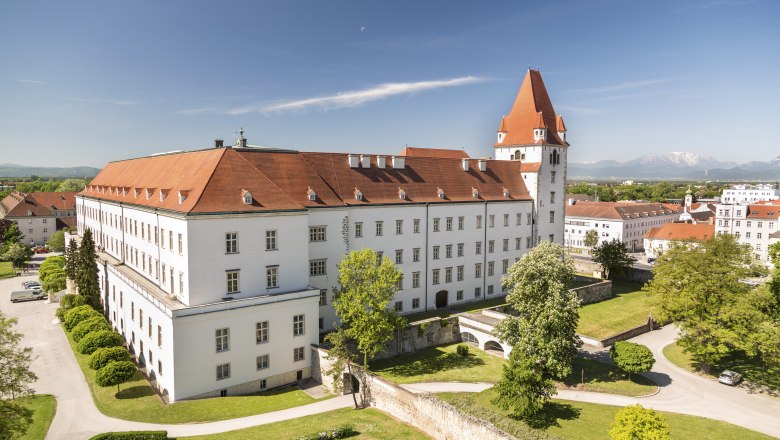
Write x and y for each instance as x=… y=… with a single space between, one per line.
x=729 y=377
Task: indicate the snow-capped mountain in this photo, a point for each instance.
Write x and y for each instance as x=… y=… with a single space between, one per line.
x=681 y=159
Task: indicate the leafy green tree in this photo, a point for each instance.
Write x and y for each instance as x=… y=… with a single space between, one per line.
x=72 y=185
x=698 y=285
x=631 y=357
x=15 y=374
x=71 y=259
x=342 y=356
x=612 y=256
x=635 y=422
x=543 y=334
x=591 y=238
x=366 y=287
x=115 y=373
x=12 y=234
x=87 y=271
x=103 y=356
x=98 y=339
x=18 y=254
x=88 y=326
x=57 y=241
x=55 y=281
x=77 y=314
x=14 y=420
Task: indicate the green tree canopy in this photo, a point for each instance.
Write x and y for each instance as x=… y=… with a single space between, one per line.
x=591 y=238
x=12 y=234
x=612 y=256
x=87 y=271
x=115 y=373
x=57 y=241
x=631 y=357
x=635 y=422
x=72 y=185
x=71 y=259
x=14 y=420
x=18 y=254
x=15 y=375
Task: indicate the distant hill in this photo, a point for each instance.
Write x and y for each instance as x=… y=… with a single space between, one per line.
x=676 y=165
x=14 y=170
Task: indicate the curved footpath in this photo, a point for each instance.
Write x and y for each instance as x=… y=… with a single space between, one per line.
x=78 y=418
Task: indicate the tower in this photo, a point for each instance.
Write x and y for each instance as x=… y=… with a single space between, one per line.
x=535 y=136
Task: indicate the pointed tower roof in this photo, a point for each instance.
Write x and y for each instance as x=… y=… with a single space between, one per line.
x=532 y=109
x=560 y=124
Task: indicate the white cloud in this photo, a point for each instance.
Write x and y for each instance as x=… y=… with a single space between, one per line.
x=355 y=97
x=617 y=87
x=29 y=81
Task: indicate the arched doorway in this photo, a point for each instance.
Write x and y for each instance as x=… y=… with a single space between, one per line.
x=441 y=299
x=469 y=338
x=494 y=347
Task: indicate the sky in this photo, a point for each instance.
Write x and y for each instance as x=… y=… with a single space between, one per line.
x=88 y=82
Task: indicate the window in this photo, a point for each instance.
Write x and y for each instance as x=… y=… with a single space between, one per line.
x=448 y=275
x=170 y=240
x=505 y=266
x=263 y=363
x=529 y=219
x=298 y=325
x=518 y=243
x=231 y=242
x=478 y=270
x=435 y=276
x=358 y=230
x=478 y=248
x=379 y=256
x=261 y=332
x=490 y=268
x=379 y=228
x=479 y=222
x=181 y=282
x=491 y=246
x=505 y=246
x=459 y=295
x=552 y=176
x=436 y=224
x=159 y=336
x=552 y=216
x=415 y=280
x=449 y=223
x=150 y=327
x=132 y=311
x=181 y=247
x=222 y=336
x=270 y=240
x=758 y=235
x=460 y=249
x=461 y=220
x=506 y=219
x=399 y=306
x=321 y=323
x=298 y=354
x=491 y=221
x=552 y=196
x=416 y=303
x=399 y=227
x=448 y=251
x=317 y=267
x=159 y=368
x=400 y=285
x=323 y=297
x=477 y=292
x=140 y=318
x=416 y=255
x=416 y=225
x=399 y=256
x=272 y=277
x=436 y=252
x=528 y=242
x=223 y=372
x=316 y=233
x=490 y=289
x=232 y=281
x=460 y=273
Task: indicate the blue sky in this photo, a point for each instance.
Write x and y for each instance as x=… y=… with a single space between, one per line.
x=87 y=82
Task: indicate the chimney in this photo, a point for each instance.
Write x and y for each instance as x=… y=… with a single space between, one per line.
x=482 y=164
x=219 y=143
x=465 y=163
x=381 y=162
x=365 y=161
x=353 y=160
x=399 y=162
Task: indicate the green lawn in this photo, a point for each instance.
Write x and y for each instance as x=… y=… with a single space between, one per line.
x=465 y=307
x=585 y=421
x=44 y=406
x=752 y=369
x=629 y=308
x=6 y=269
x=605 y=378
x=137 y=401
x=371 y=424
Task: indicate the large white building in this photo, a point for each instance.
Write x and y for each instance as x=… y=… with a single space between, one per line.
x=218 y=265
x=745 y=194
x=754 y=224
x=39 y=214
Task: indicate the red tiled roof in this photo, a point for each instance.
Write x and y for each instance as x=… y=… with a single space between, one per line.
x=560 y=126
x=682 y=231
x=763 y=211
x=532 y=102
x=18 y=204
x=530 y=167
x=434 y=152
x=617 y=210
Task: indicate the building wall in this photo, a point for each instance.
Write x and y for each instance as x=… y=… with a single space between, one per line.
x=746 y=195
x=36 y=229
x=631 y=232
x=754 y=231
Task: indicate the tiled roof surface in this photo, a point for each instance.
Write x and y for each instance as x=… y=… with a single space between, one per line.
x=215 y=180
x=18 y=204
x=617 y=210
x=531 y=102
x=763 y=211
x=530 y=167
x=682 y=231
x=434 y=152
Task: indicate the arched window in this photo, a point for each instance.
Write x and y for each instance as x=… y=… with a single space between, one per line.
x=469 y=338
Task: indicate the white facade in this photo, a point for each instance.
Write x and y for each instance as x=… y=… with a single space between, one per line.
x=750 y=224
x=631 y=231
x=744 y=194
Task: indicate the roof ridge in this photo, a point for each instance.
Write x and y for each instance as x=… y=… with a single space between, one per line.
x=208 y=181
x=336 y=192
x=268 y=179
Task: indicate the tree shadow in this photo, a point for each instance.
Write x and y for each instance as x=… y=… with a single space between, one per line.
x=428 y=363
x=550 y=414
x=135 y=392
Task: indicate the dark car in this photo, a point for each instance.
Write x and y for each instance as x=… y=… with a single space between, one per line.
x=650 y=260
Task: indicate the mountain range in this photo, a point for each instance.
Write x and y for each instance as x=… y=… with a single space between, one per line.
x=14 y=170
x=676 y=165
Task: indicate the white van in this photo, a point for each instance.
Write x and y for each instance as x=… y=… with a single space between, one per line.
x=27 y=295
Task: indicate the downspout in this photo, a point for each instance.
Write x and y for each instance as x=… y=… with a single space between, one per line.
x=426 y=255
x=158 y=234
x=484 y=251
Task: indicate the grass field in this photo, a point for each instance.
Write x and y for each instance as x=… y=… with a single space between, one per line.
x=44 y=406
x=6 y=269
x=137 y=401
x=629 y=308
x=586 y=421
x=465 y=307
x=371 y=424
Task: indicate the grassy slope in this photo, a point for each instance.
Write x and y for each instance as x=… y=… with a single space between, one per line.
x=371 y=424
x=6 y=269
x=137 y=401
x=44 y=406
x=629 y=308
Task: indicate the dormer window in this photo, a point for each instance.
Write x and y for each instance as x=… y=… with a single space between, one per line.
x=149 y=192
x=540 y=134
x=358 y=194
x=401 y=194
x=183 y=195
x=163 y=194
x=440 y=193
x=506 y=192
x=501 y=136
x=311 y=194
x=136 y=191
x=246 y=196
x=475 y=193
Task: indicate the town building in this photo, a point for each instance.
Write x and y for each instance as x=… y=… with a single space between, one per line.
x=624 y=221
x=39 y=214
x=755 y=224
x=218 y=265
x=746 y=194
x=660 y=239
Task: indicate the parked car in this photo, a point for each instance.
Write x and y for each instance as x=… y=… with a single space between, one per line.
x=729 y=377
x=650 y=260
x=31 y=284
x=27 y=295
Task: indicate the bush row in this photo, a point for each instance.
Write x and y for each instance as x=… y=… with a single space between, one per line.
x=132 y=435
x=89 y=325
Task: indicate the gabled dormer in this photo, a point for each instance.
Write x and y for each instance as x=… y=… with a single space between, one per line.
x=501 y=131
x=246 y=197
x=540 y=130
x=311 y=194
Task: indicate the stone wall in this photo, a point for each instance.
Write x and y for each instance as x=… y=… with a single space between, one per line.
x=422 y=334
x=635 y=274
x=622 y=336
x=598 y=291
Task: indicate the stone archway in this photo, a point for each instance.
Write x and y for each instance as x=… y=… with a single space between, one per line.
x=442 y=297
x=469 y=338
x=494 y=347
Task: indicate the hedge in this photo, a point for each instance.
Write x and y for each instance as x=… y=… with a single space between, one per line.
x=342 y=431
x=132 y=435
x=99 y=339
x=89 y=325
x=78 y=314
x=102 y=356
x=70 y=301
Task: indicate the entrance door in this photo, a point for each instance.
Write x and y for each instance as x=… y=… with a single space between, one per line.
x=441 y=299
x=299 y=375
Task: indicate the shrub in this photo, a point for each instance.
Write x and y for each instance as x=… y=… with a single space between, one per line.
x=103 y=356
x=634 y=422
x=631 y=357
x=70 y=301
x=132 y=435
x=45 y=272
x=98 y=339
x=115 y=373
x=342 y=431
x=462 y=350
x=88 y=326
x=78 y=314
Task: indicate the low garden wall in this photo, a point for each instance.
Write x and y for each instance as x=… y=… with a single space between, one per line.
x=598 y=291
x=635 y=274
x=622 y=336
x=423 y=334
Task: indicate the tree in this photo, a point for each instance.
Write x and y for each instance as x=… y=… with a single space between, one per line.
x=55 y=282
x=87 y=271
x=15 y=374
x=612 y=256
x=591 y=238
x=12 y=234
x=635 y=422
x=543 y=334
x=99 y=339
x=631 y=357
x=342 y=355
x=103 y=356
x=115 y=373
x=72 y=185
x=57 y=241
x=698 y=285
x=71 y=259
x=14 y=420
x=18 y=254
x=366 y=287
